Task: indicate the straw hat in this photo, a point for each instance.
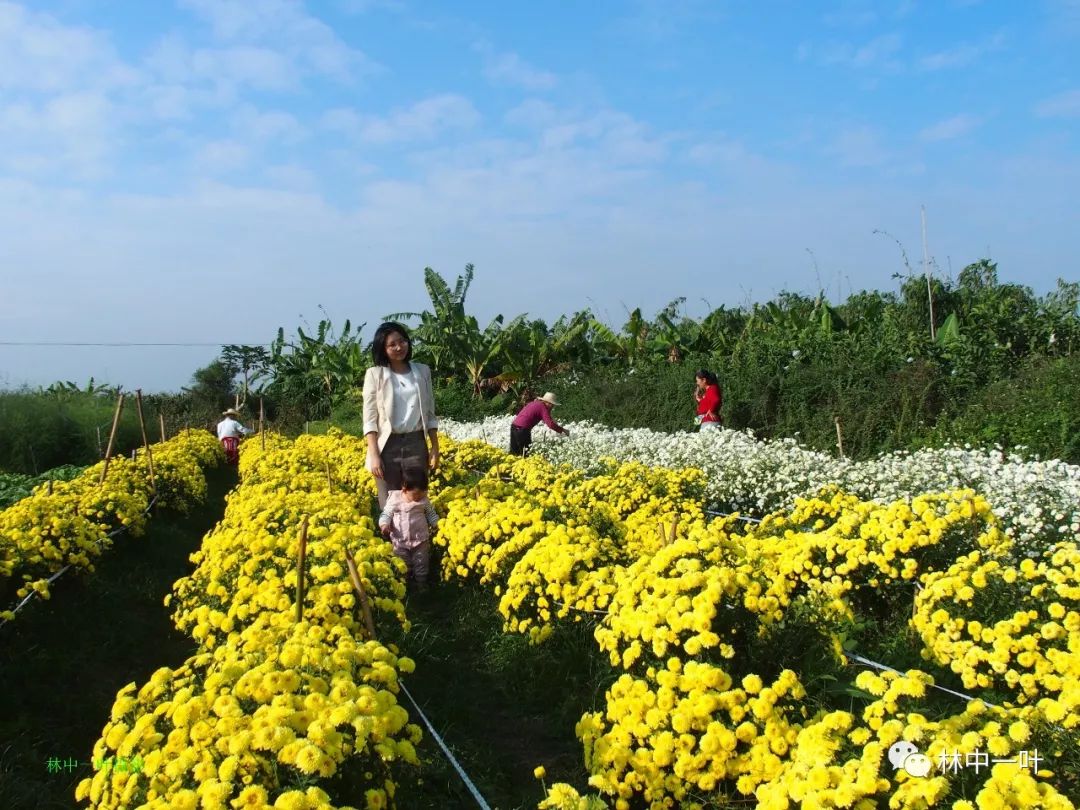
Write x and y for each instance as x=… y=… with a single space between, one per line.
x=549 y=398
x=230 y=412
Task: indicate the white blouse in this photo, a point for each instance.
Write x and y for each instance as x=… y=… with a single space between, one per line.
x=405 y=412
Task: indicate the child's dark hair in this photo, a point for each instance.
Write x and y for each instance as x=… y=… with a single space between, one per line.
x=414 y=479
x=707 y=376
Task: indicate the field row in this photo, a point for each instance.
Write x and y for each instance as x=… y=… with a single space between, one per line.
x=71 y=523
x=732 y=644
x=735 y=642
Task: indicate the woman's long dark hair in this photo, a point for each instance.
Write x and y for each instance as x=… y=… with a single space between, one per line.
x=378 y=343
x=708 y=377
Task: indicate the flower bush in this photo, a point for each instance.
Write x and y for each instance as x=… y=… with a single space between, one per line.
x=1038 y=502
x=73 y=524
x=269 y=706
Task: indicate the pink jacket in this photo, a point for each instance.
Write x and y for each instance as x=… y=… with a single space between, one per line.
x=408 y=520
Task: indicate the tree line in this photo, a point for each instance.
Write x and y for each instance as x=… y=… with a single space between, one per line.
x=938 y=359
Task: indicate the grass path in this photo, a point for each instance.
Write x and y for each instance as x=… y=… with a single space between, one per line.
x=502 y=706
x=62 y=661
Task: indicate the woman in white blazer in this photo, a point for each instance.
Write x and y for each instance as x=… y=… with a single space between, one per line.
x=399 y=409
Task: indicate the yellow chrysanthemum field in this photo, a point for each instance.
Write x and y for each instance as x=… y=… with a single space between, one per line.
x=793 y=662
x=71 y=523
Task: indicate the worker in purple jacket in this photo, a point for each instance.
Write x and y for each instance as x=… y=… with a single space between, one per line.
x=528 y=417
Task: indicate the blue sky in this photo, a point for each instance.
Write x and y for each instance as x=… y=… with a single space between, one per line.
x=209 y=170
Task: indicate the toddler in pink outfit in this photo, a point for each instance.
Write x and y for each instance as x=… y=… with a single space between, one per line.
x=407 y=521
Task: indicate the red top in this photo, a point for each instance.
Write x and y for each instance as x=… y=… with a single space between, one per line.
x=711 y=401
x=532 y=414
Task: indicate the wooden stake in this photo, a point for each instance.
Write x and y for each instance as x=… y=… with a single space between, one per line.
x=926 y=272
x=671 y=537
x=145 y=440
x=112 y=437
x=101 y=451
x=50 y=486
x=262 y=435
x=365 y=608
x=839 y=437
x=161 y=419
x=300 y=571
x=329 y=478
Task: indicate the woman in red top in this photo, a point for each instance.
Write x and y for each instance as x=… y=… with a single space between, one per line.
x=709 y=399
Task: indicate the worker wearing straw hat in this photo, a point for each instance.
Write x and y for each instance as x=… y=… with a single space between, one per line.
x=229 y=431
x=539 y=410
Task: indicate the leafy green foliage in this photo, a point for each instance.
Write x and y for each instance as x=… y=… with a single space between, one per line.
x=16 y=486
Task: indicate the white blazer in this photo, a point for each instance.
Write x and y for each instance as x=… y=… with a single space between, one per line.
x=379 y=400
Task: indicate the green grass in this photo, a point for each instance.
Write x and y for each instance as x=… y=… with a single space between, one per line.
x=501 y=706
x=62 y=661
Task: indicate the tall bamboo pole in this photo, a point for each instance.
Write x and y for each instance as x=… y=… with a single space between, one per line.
x=145 y=440
x=300 y=571
x=926 y=272
x=365 y=608
x=839 y=437
x=262 y=435
x=112 y=437
x=161 y=420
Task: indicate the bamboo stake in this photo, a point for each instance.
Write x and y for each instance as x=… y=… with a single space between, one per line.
x=300 y=571
x=365 y=608
x=839 y=437
x=101 y=452
x=50 y=486
x=145 y=440
x=262 y=435
x=329 y=478
x=112 y=437
x=671 y=537
x=161 y=419
x=926 y=272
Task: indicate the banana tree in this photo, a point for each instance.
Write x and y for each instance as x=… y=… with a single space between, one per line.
x=480 y=350
x=531 y=350
x=440 y=334
x=317 y=370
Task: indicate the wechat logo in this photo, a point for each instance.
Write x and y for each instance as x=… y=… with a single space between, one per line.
x=905 y=756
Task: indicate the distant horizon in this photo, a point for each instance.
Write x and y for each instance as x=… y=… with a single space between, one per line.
x=369 y=328
x=197 y=170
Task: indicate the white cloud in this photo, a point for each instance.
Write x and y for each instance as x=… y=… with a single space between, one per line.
x=68 y=133
x=306 y=44
x=879 y=53
x=962 y=54
x=859 y=147
x=1063 y=105
x=221 y=157
x=532 y=113
x=269 y=125
x=39 y=54
x=367 y=6
x=509 y=69
x=950 y=128
x=851 y=17
x=424 y=120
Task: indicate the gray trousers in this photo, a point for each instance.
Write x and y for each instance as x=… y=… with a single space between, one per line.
x=402 y=452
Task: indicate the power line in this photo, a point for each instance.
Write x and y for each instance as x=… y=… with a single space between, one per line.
x=126 y=343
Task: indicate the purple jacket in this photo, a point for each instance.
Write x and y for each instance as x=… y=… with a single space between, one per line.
x=531 y=415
